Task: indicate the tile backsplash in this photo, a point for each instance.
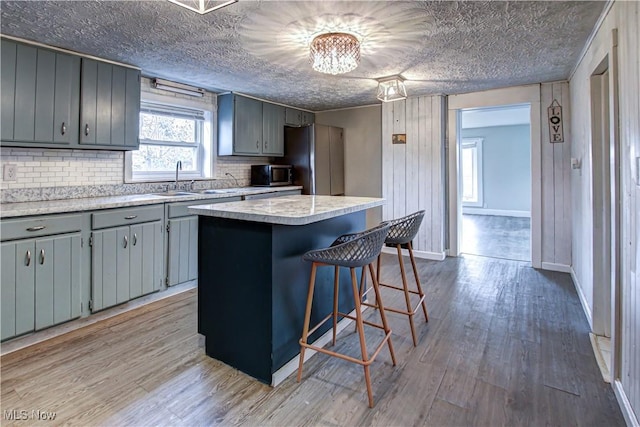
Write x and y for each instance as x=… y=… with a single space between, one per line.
x=37 y=168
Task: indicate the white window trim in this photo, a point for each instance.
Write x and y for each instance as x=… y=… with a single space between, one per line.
x=475 y=142
x=207 y=154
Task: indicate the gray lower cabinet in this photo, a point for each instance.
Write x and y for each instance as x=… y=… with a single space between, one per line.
x=126 y=254
x=41 y=276
x=182 y=240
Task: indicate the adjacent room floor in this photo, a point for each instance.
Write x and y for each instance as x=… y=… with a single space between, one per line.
x=505 y=345
x=504 y=237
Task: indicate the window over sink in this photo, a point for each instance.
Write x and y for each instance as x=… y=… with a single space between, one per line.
x=171 y=130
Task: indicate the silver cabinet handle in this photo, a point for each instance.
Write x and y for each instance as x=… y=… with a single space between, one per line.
x=41 y=256
x=135 y=239
x=37 y=228
x=28 y=260
x=63 y=129
x=86 y=130
x=266 y=144
x=257 y=144
x=126 y=241
x=131 y=217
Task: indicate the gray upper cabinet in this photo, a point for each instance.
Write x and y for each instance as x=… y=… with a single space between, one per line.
x=40 y=96
x=272 y=129
x=53 y=99
x=110 y=105
x=294 y=117
x=249 y=127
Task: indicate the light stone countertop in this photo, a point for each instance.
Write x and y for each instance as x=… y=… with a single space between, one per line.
x=11 y=210
x=288 y=210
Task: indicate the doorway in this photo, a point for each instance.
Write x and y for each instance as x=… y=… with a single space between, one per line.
x=520 y=95
x=495 y=181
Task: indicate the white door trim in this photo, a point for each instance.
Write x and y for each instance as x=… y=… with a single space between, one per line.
x=508 y=96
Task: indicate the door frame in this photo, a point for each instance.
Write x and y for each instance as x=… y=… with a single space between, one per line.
x=508 y=96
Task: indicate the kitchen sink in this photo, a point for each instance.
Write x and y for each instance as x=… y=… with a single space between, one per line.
x=174 y=193
x=218 y=191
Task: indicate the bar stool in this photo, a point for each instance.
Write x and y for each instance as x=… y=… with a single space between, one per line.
x=352 y=251
x=401 y=232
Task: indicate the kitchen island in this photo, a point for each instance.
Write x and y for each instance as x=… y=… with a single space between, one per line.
x=252 y=285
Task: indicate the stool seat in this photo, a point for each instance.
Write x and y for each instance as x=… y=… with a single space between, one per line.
x=351 y=251
x=403 y=230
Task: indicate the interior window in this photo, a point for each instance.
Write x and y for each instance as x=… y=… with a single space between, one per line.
x=471 y=166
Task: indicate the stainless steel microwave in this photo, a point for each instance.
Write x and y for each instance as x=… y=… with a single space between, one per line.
x=271 y=175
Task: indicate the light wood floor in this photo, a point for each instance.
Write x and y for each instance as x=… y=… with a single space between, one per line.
x=505 y=345
x=494 y=236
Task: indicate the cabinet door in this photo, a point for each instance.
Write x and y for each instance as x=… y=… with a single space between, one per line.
x=248 y=126
x=337 y=161
x=109 y=111
x=57 y=279
x=292 y=117
x=7 y=89
x=145 y=258
x=17 y=288
x=40 y=95
x=308 y=118
x=183 y=250
x=272 y=129
x=110 y=267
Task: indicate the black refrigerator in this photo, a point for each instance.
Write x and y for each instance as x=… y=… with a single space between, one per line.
x=316 y=153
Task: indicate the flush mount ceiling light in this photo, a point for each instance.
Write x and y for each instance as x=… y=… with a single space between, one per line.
x=391 y=89
x=203 y=6
x=334 y=53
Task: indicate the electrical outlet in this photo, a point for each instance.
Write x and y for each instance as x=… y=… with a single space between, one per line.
x=9 y=172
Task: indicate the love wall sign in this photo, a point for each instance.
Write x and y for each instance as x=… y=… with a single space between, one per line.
x=556 y=133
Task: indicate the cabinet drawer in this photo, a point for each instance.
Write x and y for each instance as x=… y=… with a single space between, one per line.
x=126 y=216
x=180 y=209
x=40 y=226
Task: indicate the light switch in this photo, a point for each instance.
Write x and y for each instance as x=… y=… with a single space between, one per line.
x=575 y=163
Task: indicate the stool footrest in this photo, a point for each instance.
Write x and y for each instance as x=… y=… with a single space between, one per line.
x=398 y=288
x=367 y=362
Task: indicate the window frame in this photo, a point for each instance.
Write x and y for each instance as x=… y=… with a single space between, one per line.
x=205 y=150
x=476 y=145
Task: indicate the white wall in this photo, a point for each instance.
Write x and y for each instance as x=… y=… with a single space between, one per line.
x=625 y=17
x=413 y=173
x=362 y=152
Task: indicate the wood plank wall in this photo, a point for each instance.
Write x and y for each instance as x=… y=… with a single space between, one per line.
x=627 y=15
x=413 y=173
x=556 y=181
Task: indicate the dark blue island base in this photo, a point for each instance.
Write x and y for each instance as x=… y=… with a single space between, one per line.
x=252 y=288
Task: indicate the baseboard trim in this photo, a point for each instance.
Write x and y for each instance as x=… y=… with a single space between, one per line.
x=496 y=212
x=562 y=268
x=625 y=406
x=583 y=299
x=292 y=365
x=436 y=256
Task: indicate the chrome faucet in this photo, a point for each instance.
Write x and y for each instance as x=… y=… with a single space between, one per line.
x=234 y=178
x=178 y=168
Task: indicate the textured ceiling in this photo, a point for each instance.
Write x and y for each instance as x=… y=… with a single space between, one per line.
x=260 y=48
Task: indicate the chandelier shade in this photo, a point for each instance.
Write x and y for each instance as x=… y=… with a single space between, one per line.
x=391 y=89
x=334 y=53
x=203 y=6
